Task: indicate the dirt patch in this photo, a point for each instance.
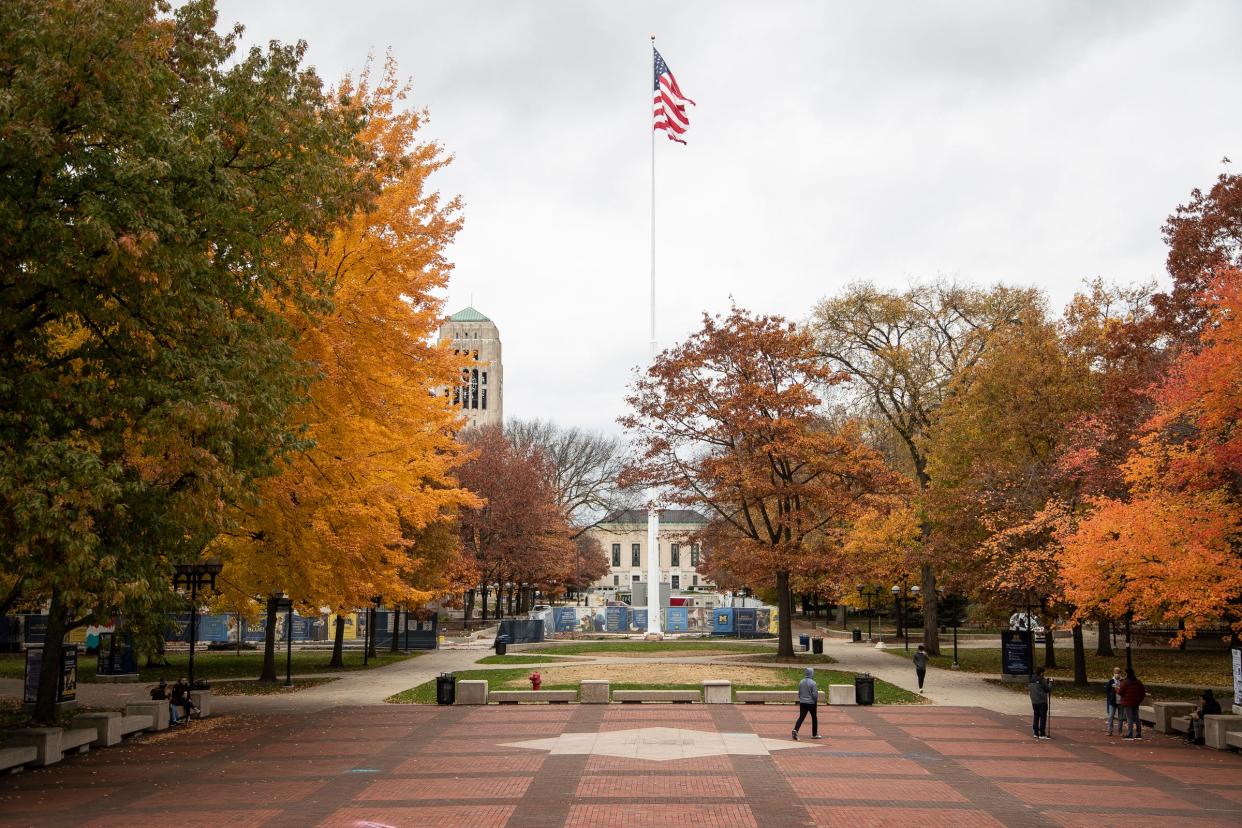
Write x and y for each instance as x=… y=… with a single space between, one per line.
x=690 y=652
x=658 y=674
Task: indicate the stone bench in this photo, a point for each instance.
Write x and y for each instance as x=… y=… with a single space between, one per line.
x=1233 y=739
x=14 y=758
x=1179 y=724
x=202 y=700
x=532 y=696
x=1164 y=712
x=157 y=710
x=673 y=696
x=842 y=694
x=717 y=691
x=105 y=726
x=1217 y=728
x=773 y=697
x=1147 y=713
x=593 y=691
x=135 y=724
x=46 y=742
x=76 y=740
x=471 y=691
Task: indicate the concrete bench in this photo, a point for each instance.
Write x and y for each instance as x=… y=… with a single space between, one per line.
x=773 y=697
x=13 y=759
x=1216 y=728
x=1179 y=724
x=202 y=700
x=76 y=740
x=1164 y=712
x=1233 y=739
x=134 y=724
x=471 y=691
x=1147 y=713
x=532 y=696
x=157 y=710
x=593 y=691
x=841 y=694
x=717 y=691
x=673 y=696
x=105 y=726
x=46 y=742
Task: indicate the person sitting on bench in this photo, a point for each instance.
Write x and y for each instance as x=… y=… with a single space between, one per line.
x=181 y=697
x=160 y=693
x=1208 y=706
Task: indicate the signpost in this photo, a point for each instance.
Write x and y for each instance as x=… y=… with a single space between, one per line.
x=66 y=686
x=1017 y=653
x=1237 y=681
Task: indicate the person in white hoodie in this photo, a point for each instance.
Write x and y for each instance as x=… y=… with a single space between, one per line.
x=808 y=699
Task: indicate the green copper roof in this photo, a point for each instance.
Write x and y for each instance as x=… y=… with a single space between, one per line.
x=469 y=315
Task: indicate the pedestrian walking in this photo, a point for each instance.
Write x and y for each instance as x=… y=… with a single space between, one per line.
x=1041 y=690
x=1112 y=709
x=920 y=664
x=1131 y=694
x=808 y=700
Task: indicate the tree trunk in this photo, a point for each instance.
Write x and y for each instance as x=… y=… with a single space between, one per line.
x=373 y=636
x=396 y=629
x=338 y=643
x=483 y=602
x=806 y=605
x=1104 y=639
x=500 y=597
x=784 y=640
x=468 y=603
x=931 y=611
x=1050 y=648
x=269 y=643
x=53 y=652
x=1080 y=658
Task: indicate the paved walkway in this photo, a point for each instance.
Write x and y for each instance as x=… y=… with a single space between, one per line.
x=632 y=766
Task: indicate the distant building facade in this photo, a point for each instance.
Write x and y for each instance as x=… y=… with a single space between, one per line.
x=480 y=396
x=623 y=537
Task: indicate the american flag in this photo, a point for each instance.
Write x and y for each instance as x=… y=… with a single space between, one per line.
x=670 y=104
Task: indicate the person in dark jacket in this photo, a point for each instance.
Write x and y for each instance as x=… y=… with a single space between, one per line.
x=1131 y=695
x=1208 y=706
x=808 y=698
x=161 y=693
x=181 y=697
x=920 y=665
x=1112 y=711
x=1040 y=689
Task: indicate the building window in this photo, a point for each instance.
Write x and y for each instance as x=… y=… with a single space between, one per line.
x=695 y=580
x=616 y=554
x=485 y=378
x=635 y=578
x=616 y=580
x=674 y=554
x=484 y=398
x=635 y=555
x=474 y=389
x=694 y=555
x=676 y=582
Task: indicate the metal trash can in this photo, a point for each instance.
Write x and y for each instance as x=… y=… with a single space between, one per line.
x=817 y=646
x=805 y=641
x=857 y=635
x=502 y=644
x=446 y=688
x=864 y=689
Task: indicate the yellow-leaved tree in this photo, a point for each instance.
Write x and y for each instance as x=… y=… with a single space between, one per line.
x=345 y=518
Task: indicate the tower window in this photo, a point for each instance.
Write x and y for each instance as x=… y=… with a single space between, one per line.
x=635 y=555
x=484 y=398
x=674 y=554
x=616 y=554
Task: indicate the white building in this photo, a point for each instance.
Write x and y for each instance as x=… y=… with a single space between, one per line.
x=481 y=392
x=623 y=537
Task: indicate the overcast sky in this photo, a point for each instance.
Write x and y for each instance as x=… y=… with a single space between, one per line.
x=1027 y=143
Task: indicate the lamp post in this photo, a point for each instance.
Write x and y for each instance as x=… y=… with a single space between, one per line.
x=284 y=602
x=194 y=576
x=868 y=592
x=370 y=648
x=1129 y=656
x=901 y=596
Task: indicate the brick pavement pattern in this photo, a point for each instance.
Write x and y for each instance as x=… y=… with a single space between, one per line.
x=394 y=765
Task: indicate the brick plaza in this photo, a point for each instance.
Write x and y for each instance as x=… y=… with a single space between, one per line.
x=395 y=765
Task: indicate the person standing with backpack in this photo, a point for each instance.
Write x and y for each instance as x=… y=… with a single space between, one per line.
x=1132 y=693
x=920 y=665
x=1040 y=689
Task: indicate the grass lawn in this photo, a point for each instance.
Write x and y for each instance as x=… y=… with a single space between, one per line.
x=217 y=664
x=652 y=647
x=785 y=678
x=519 y=659
x=1154 y=667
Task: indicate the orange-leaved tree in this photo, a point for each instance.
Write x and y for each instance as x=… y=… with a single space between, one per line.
x=731 y=420
x=1172 y=550
x=341 y=522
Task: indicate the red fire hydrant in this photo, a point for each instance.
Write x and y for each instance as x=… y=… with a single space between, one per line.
x=535 y=681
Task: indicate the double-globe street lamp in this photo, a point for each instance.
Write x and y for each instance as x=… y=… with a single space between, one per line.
x=901 y=596
x=284 y=602
x=868 y=592
x=193 y=577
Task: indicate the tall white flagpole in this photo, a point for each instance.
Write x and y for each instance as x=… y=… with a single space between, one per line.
x=653 y=511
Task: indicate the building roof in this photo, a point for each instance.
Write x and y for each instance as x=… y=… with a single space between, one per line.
x=666 y=516
x=468 y=314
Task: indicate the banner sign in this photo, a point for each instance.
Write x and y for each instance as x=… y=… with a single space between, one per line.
x=615 y=619
x=638 y=620
x=565 y=619
x=67 y=685
x=1017 y=652
x=1237 y=677
x=678 y=619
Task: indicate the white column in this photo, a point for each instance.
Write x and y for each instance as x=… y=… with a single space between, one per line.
x=653 y=570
